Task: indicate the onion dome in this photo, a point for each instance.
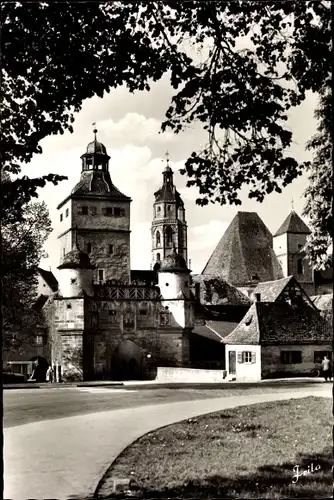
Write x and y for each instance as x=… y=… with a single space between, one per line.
x=96 y=147
x=174 y=263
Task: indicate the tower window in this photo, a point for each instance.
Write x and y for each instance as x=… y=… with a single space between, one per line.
x=158 y=209
x=111 y=249
x=67 y=212
x=300 y=266
x=158 y=239
x=100 y=275
x=169 y=236
x=89 y=247
x=84 y=210
x=61 y=217
x=158 y=257
x=169 y=208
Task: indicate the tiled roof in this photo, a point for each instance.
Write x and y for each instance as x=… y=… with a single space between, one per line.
x=271 y=290
x=323 y=302
x=216 y=291
x=222 y=328
x=174 y=262
x=280 y=323
x=76 y=259
x=98 y=183
x=245 y=253
x=49 y=278
x=293 y=224
x=40 y=302
x=206 y=332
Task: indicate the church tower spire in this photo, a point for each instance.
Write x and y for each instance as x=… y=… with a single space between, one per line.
x=169 y=227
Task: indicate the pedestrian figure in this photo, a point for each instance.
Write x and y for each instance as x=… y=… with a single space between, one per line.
x=326 y=368
x=49 y=375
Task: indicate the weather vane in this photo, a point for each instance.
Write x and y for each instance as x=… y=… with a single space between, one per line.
x=292 y=204
x=167 y=157
x=94 y=129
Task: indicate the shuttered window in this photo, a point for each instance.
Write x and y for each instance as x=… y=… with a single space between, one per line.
x=247 y=357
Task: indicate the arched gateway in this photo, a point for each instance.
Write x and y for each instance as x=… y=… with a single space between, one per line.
x=127 y=361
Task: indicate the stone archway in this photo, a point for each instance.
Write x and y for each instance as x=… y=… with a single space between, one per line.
x=127 y=361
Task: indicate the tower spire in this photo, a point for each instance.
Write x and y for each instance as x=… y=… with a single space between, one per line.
x=167 y=157
x=95 y=131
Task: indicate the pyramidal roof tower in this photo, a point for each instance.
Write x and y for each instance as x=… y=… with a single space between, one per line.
x=244 y=256
x=293 y=224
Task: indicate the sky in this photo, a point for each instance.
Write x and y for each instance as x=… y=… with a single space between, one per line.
x=128 y=125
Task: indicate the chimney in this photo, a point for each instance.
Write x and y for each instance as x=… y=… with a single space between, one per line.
x=257 y=297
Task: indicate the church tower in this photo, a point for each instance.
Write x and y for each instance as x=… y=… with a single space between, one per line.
x=96 y=216
x=169 y=227
x=289 y=242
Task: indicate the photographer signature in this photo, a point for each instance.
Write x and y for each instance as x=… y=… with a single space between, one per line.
x=299 y=472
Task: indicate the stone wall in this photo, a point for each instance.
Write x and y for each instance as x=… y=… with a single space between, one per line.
x=272 y=364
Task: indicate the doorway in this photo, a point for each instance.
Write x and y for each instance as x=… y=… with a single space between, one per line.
x=232 y=362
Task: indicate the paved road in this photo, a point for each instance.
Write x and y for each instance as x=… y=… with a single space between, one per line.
x=66 y=457
x=23 y=406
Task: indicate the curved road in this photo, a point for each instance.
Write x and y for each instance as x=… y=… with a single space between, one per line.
x=67 y=456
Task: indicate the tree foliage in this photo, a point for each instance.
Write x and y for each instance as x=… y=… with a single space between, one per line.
x=319 y=193
x=241 y=96
x=21 y=250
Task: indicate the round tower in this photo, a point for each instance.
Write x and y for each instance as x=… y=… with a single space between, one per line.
x=174 y=277
x=76 y=274
x=169 y=225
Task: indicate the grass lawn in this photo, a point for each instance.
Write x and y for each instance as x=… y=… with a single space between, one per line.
x=246 y=452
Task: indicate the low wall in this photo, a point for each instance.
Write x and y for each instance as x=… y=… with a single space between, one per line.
x=172 y=374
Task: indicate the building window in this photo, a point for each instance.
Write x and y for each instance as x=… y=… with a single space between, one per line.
x=39 y=340
x=169 y=236
x=143 y=311
x=94 y=319
x=61 y=217
x=69 y=306
x=169 y=208
x=291 y=357
x=67 y=212
x=158 y=209
x=100 y=275
x=93 y=210
x=300 y=266
x=111 y=249
x=300 y=247
x=319 y=356
x=158 y=239
x=89 y=247
x=246 y=357
x=164 y=319
x=158 y=257
x=84 y=210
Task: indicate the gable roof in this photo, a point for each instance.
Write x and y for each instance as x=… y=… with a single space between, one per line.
x=245 y=254
x=49 y=278
x=277 y=323
x=293 y=224
x=215 y=330
x=271 y=291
